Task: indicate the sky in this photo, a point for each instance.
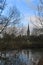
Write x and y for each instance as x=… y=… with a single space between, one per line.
x=26 y=8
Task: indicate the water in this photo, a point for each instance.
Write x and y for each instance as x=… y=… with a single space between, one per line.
x=20 y=57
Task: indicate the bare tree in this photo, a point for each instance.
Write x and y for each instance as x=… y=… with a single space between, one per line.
x=40 y=13
x=38 y=23
x=2 y=5
x=13 y=17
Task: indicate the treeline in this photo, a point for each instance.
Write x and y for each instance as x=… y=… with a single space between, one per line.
x=37 y=41
x=36 y=38
x=9 y=42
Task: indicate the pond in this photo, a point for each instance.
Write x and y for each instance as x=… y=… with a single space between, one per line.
x=20 y=57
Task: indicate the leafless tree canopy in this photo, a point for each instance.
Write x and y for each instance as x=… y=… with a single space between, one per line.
x=40 y=12
x=13 y=17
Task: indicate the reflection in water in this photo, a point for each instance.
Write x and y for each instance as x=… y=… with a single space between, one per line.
x=24 y=57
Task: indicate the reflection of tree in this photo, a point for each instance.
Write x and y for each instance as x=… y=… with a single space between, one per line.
x=18 y=58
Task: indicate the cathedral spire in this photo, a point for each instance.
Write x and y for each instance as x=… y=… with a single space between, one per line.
x=28 y=31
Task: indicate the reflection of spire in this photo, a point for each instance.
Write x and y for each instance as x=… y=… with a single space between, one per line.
x=30 y=55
